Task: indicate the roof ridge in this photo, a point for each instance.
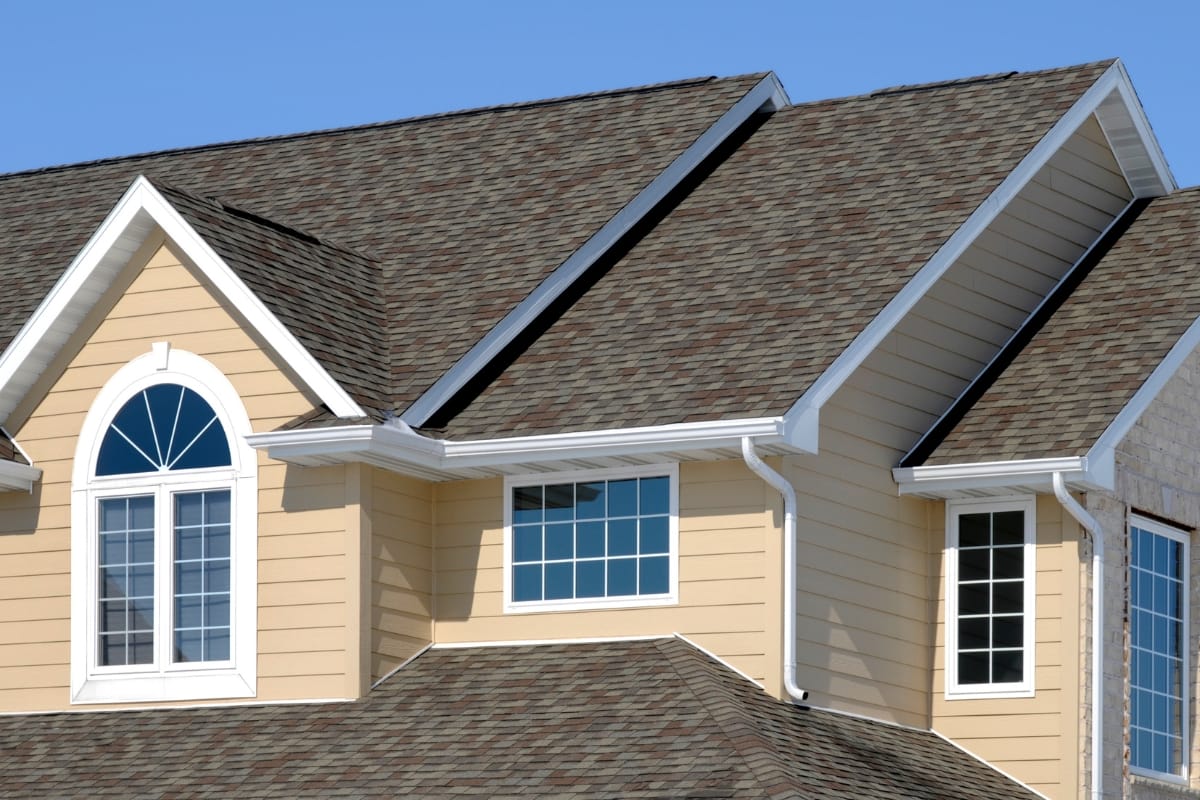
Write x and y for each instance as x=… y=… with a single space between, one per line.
x=394 y=123
x=745 y=738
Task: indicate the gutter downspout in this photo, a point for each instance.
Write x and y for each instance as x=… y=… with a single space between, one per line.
x=1088 y=521
x=784 y=487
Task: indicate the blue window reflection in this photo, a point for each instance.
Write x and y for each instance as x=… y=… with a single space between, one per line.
x=165 y=427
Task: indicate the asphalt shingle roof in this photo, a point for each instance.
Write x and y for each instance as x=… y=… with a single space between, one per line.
x=744 y=294
x=463 y=213
x=1085 y=364
x=644 y=719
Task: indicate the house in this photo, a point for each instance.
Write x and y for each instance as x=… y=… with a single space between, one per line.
x=676 y=441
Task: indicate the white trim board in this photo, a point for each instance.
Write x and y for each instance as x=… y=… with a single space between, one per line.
x=1113 y=83
x=993 y=478
x=767 y=93
x=139 y=212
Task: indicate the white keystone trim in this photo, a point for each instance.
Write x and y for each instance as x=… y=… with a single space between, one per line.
x=136 y=215
x=395 y=446
x=992 y=476
x=768 y=92
x=1113 y=80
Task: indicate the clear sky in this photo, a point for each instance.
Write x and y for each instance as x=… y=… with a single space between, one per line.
x=84 y=80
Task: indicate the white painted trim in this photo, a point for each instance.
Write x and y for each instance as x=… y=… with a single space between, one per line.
x=316 y=701
x=1145 y=138
x=540 y=642
x=873 y=334
x=16 y=477
x=767 y=93
x=988 y=764
x=670 y=598
x=1033 y=474
x=136 y=215
x=163 y=680
x=400 y=445
x=953 y=690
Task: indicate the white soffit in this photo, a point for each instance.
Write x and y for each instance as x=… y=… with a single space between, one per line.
x=1113 y=92
x=140 y=211
x=998 y=478
x=1133 y=142
x=768 y=93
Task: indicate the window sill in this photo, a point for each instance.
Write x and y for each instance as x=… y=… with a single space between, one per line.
x=1149 y=777
x=591 y=604
x=176 y=687
x=989 y=692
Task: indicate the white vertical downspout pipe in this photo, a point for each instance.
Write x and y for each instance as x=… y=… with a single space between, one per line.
x=784 y=487
x=1088 y=521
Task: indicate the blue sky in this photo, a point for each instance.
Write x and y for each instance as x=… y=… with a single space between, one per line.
x=84 y=80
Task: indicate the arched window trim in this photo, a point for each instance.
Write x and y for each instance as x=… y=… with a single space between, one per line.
x=164 y=680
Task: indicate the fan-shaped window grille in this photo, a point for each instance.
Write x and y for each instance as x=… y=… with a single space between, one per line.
x=160 y=429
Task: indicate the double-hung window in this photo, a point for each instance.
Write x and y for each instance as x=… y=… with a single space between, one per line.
x=1158 y=628
x=163 y=542
x=597 y=539
x=990 y=598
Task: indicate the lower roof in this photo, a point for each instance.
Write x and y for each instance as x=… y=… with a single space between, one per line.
x=631 y=719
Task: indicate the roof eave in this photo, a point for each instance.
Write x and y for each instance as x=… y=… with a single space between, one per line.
x=999 y=478
x=398 y=448
x=15 y=477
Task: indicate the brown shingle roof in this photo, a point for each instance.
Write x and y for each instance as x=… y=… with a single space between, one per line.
x=739 y=299
x=1084 y=365
x=465 y=213
x=647 y=719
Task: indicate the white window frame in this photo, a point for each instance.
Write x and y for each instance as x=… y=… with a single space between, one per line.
x=1025 y=688
x=164 y=680
x=1178 y=778
x=670 y=471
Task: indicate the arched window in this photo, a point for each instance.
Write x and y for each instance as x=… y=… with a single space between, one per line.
x=163 y=517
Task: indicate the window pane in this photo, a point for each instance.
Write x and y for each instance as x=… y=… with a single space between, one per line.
x=973 y=598
x=655 y=535
x=210 y=449
x=973 y=667
x=1008 y=562
x=560 y=581
x=975 y=565
x=589 y=540
x=527 y=582
x=560 y=502
x=590 y=500
x=1008 y=527
x=1008 y=631
x=1007 y=666
x=974 y=530
x=655 y=496
x=1008 y=597
x=622 y=537
x=126 y=585
x=622 y=577
x=527 y=543
x=560 y=541
x=527 y=504
x=589 y=579
x=202 y=576
x=654 y=577
x=973 y=633
x=163 y=427
x=622 y=498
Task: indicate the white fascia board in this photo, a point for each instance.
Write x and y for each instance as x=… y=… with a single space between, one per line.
x=767 y=93
x=870 y=337
x=394 y=444
x=139 y=211
x=1104 y=450
x=1032 y=473
x=16 y=477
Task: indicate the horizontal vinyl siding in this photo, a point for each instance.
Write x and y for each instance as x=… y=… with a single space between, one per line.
x=1033 y=738
x=401 y=569
x=302 y=531
x=728 y=568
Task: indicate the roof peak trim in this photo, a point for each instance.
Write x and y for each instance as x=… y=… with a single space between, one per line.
x=139 y=212
x=767 y=93
x=1113 y=80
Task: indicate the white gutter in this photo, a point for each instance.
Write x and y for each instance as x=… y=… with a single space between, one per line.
x=784 y=487
x=1033 y=473
x=1089 y=522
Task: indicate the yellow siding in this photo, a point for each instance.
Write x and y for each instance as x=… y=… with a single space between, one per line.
x=1036 y=739
x=303 y=607
x=728 y=572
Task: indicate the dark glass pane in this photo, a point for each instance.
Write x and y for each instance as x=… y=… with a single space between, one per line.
x=974 y=565
x=973 y=667
x=527 y=543
x=216 y=611
x=133 y=421
x=141 y=614
x=527 y=504
x=1143 y=630
x=1008 y=527
x=1159 y=681
x=560 y=581
x=973 y=634
x=560 y=502
x=210 y=450
x=1145 y=547
x=589 y=579
x=113 y=548
x=141 y=513
x=189 y=646
x=1008 y=631
x=112 y=649
x=1008 y=562
x=560 y=541
x=1160 y=595
x=1008 y=598
x=1145 y=590
x=1161 y=548
x=590 y=500
x=216 y=542
x=622 y=537
x=189 y=543
x=164 y=400
x=216 y=576
x=216 y=508
x=1139 y=708
x=973 y=598
x=189 y=612
x=114 y=514
x=216 y=645
x=589 y=540
x=189 y=578
x=112 y=616
x=656 y=496
x=974 y=530
x=1162 y=754
x=141 y=581
x=189 y=509
x=1140 y=749
x=141 y=648
x=141 y=547
x=622 y=498
x=114 y=582
x=622 y=577
x=655 y=535
x=527 y=582
x=194 y=416
x=118 y=457
x=1007 y=666
x=654 y=577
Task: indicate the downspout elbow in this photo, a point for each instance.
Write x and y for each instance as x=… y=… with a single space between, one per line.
x=784 y=487
x=1089 y=522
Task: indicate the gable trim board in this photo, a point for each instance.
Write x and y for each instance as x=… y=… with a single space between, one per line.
x=1130 y=151
x=136 y=215
x=397 y=447
x=767 y=95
